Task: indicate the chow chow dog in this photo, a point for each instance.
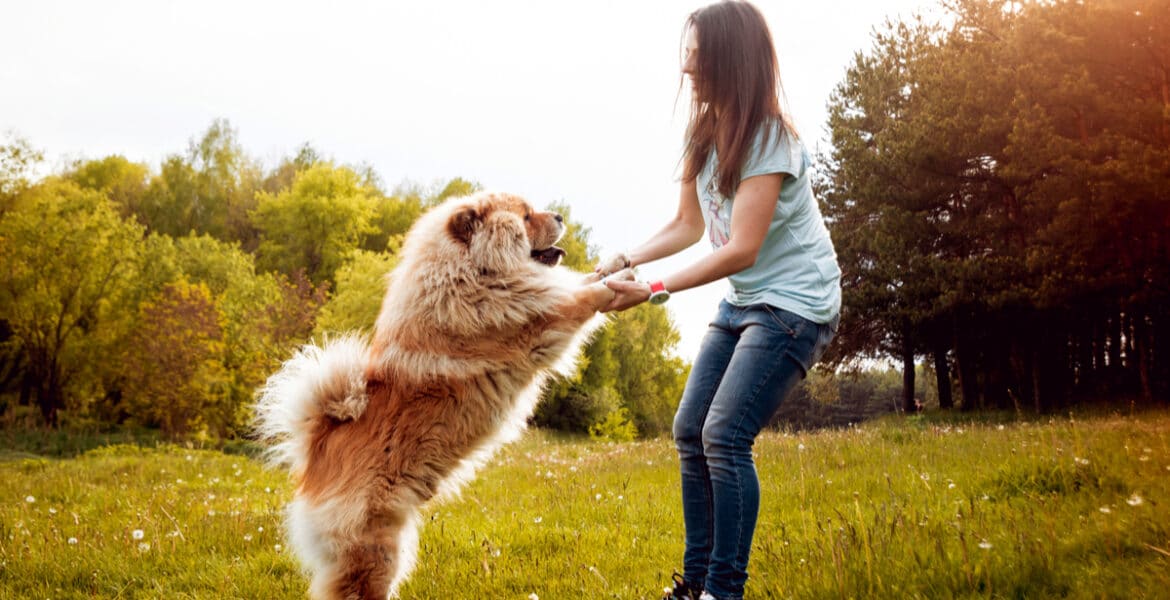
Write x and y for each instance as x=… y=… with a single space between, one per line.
x=476 y=314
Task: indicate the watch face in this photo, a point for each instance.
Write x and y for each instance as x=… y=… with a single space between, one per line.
x=659 y=297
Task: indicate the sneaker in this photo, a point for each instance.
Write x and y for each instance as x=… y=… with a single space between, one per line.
x=681 y=591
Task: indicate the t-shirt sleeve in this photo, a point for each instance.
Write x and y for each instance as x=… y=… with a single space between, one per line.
x=781 y=154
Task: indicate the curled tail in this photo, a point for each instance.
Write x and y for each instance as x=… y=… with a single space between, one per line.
x=315 y=384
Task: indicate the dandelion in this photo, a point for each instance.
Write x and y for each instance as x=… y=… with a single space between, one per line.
x=247 y=537
x=533 y=596
x=986 y=545
x=211 y=513
x=52 y=511
x=537 y=520
x=260 y=529
x=144 y=547
x=1105 y=510
x=1000 y=428
x=800 y=447
x=1080 y=461
x=1144 y=458
x=30 y=499
x=72 y=541
x=572 y=469
x=950 y=486
x=1134 y=500
x=597 y=497
x=137 y=534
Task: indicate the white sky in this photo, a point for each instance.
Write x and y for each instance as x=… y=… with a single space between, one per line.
x=554 y=100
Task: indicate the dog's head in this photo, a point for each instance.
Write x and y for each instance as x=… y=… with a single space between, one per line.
x=500 y=227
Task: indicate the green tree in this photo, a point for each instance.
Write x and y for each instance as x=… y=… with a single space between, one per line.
x=17 y=159
x=361 y=284
x=316 y=224
x=69 y=265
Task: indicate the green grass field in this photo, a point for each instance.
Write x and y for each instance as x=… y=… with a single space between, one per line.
x=902 y=508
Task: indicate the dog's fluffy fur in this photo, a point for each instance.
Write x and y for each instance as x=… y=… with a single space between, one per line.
x=373 y=429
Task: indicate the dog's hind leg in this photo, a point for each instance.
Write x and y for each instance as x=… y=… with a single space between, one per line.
x=372 y=566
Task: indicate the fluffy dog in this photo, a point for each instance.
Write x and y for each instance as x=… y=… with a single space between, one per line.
x=475 y=316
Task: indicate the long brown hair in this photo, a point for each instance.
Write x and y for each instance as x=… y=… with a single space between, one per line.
x=737 y=90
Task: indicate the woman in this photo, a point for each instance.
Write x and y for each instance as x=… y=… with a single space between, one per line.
x=746 y=184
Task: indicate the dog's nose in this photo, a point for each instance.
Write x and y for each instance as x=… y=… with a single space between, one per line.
x=559 y=218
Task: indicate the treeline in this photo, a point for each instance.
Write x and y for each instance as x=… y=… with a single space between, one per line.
x=164 y=298
x=999 y=193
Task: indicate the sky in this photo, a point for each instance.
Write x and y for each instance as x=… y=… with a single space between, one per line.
x=556 y=100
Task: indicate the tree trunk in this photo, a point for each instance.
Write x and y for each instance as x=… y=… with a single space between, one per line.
x=942 y=373
x=908 y=402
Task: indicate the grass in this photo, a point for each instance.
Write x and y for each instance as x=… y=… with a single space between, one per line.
x=900 y=508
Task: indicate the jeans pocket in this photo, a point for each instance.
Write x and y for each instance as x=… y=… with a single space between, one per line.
x=788 y=322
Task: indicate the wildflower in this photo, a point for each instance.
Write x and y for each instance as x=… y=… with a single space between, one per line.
x=247 y=537
x=1134 y=500
x=950 y=486
x=1105 y=509
x=276 y=547
x=260 y=529
x=986 y=545
x=537 y=520
x=800 y=447
x=597 y=497
x=1000 y=428
x=211 y=513
x=52 y=511
x=1080 y=461
x=533 y=596
x=137 y=534
x=72 y=541
x=29 y=499
x=144 y=547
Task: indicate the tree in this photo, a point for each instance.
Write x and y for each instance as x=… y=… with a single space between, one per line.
x=17 y=159
x=315 y=224
x=69 y=265
x=179 y=382
x=361 y=285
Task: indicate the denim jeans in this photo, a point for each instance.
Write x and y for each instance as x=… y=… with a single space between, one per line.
x=750 y=359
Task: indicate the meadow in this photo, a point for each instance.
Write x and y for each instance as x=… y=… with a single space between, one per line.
x=935 y=507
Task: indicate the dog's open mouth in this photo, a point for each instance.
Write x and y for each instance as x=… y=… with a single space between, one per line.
x=549 y=256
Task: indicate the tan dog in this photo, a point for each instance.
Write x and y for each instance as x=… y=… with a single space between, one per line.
x=475 y=316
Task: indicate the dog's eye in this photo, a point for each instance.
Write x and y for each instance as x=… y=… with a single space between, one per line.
x=527 y=216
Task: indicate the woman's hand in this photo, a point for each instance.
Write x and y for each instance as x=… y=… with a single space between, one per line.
x=628 y=294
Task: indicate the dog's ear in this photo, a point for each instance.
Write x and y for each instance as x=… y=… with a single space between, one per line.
x=463 y=223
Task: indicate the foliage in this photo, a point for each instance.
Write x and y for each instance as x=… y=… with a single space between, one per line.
x=615 y=427
x=998 y=196
x=68 y=266
x=179 y=382
x=361 y=284
x=315 y=224
x=1071 y=507
x=17 y=158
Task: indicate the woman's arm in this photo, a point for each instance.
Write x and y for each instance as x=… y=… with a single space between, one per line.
x=751 y=215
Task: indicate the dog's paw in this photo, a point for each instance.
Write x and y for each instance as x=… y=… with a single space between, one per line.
x=623 y=275
x=613 y=263
x=591 y=278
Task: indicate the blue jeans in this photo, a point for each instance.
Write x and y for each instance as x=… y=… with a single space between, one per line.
x=750 y=359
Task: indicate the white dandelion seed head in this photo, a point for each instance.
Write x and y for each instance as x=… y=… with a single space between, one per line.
x=247 y=537
x=986 y=545
x=211 y=513
x=950 y=486
x=276 y=547
x=72 y=541
x=1134 y=500
x=538 y=520
x=495 y=552
x=29 y=499
x=597 y=497
x=137 y=534
x=800 y=447
x=533 y=596
x=260 y=529
x=1105 y=509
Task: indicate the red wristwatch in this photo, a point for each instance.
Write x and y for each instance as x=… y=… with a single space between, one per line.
x=658 y=293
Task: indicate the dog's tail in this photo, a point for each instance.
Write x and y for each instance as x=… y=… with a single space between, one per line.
x=315 y=384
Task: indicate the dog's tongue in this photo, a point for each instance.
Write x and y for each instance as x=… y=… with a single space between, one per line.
x=549 y=256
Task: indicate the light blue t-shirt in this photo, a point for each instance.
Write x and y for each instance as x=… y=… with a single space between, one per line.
x=796 y=269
